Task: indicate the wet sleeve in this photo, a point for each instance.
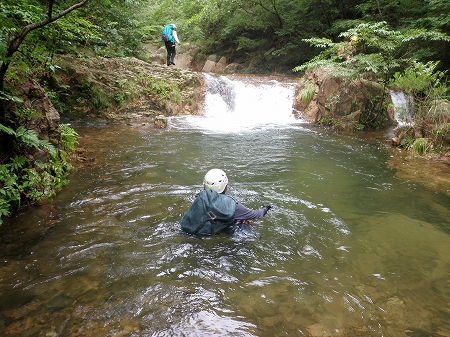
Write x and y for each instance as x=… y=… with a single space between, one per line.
x=175 y=35
x=244 y=213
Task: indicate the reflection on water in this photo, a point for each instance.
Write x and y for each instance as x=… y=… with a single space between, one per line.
x=347 y=250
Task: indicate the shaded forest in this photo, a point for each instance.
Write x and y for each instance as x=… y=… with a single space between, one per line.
x=241 y=30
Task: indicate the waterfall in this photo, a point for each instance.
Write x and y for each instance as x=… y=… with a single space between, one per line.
x=403 y=112
x=234 y=104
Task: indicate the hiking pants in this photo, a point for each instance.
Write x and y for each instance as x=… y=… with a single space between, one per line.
x=171 y=52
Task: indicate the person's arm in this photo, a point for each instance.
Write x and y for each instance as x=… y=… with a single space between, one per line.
x=175 y=35
x=244 y=213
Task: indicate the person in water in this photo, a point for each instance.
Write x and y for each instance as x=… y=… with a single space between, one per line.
x=213 y=212
x=217 y=180
x=170 y=36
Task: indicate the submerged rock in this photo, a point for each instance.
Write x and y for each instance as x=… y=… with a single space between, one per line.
x=160 y=122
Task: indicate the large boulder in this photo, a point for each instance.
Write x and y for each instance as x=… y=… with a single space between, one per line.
x=324 y=97
x=215 y=64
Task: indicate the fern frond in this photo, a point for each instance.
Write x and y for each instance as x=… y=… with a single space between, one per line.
x=7 y=130
x=30 y=138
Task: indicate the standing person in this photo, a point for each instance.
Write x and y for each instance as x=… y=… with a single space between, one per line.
x=213 y=212
x=169 y=36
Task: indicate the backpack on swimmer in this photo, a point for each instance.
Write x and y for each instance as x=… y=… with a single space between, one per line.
x=209 y=214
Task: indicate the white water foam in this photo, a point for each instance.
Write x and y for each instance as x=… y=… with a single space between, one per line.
x=402 y=108
x=236 y=105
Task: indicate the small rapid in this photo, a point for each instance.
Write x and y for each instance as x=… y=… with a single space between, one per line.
x=403 y=111
x=243 y=103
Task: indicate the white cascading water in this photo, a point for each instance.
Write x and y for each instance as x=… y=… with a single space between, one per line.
x=402 y=107
x=241 y=104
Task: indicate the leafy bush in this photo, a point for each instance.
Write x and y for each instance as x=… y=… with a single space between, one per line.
x=407 y=141
x=22 y=180
x=68 y=137
x=371 y=50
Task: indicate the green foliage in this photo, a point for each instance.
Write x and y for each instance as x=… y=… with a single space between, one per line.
x=97 y=96
x=442 y=135
x=358 y=126
x=374 y=120
x=107 y=28
x=237 y=28
x=420 y=146
x=375 y=51
x=176 y=97
x=69 y=137
x=7 y=130
x=327 y=121
x=420 y=78
x=9 y=193
x=119 y=97
x=247 y=28
x=27 y=138
x=7 y=97
x=429 y=91
x=22 y=180
x=307 y=93
x=162 y=88
x=407 y=141
x=127 y=89
x=31 y=182
x=371 y=49
x=22 y=114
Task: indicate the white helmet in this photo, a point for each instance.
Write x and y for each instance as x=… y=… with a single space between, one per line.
x=216 y=180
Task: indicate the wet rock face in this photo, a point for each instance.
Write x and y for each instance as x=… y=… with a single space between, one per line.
x=322 y=94
x=127 y=88
x=37 y=111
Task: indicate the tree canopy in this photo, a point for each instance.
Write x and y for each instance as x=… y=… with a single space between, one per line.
x=252 y=28
x=239 y=29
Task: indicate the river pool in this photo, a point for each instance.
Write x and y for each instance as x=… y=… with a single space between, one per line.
x=348 y=249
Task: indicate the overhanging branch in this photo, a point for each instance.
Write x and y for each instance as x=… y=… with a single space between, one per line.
x=17 y=40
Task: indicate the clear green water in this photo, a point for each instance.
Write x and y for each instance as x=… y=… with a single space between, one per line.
x=347 y=250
